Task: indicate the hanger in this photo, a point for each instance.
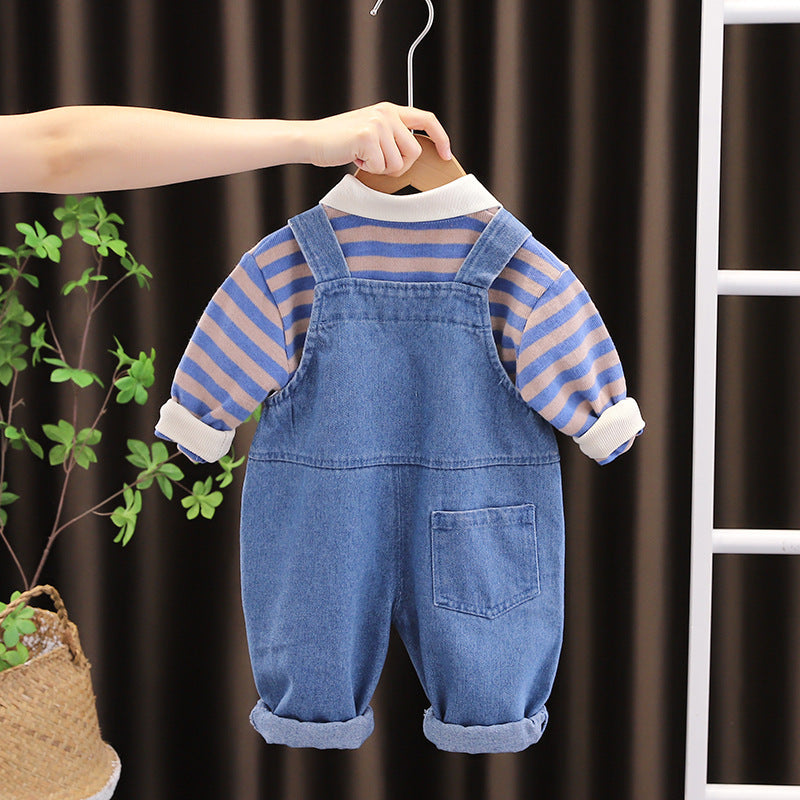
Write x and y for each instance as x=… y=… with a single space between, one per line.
x=430 y=169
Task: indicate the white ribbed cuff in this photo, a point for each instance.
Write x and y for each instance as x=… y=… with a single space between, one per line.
x=614 y=427
x=183 y=428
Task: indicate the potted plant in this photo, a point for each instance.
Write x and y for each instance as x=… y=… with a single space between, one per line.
x=47 y=711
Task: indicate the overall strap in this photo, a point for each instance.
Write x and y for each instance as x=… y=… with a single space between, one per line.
x=496 y=246
x=319 y=244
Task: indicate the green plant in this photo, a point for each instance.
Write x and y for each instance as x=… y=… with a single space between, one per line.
x=18 y=623
x=71 y=445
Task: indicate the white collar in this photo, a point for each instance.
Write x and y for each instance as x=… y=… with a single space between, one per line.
x=465 y=195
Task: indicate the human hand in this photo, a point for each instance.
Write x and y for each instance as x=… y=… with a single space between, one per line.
x=377 y=138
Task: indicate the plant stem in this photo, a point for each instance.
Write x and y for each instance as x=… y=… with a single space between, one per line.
x=70 y=464
x=4 y=445
x=11 y=289
x=59 y=349
x=55 y=530
x=104 y=406
x=111 y=288
x=14 y=558
x=91 y=307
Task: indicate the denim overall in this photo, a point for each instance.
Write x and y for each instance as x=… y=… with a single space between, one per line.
x=399 y=478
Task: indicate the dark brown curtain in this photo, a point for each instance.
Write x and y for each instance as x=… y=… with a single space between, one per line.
x=581 y=116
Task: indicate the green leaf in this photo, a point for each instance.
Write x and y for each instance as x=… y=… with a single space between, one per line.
x=125 y=517
x=52 y=245
x=123 y=359
x=68 y=217
x=13 y=658
x=171 y=471
x=202 y=501
x=38 y=341
x=63 y=432
x=256 y=415
x=165 y=484
x=90 y=436
x=22 y=653
x=85 y=457
x=64 y=373
x=82 y=453
x=139 y=454
x=87 y=205
x=19 y=438
x=90 y=236
x=58 y=454
x=6 y=497
x=10 y=633
x=139 y=271
x=42 y=244
x=118 y=246
x=11 y=354
x=140 y=377
x=15 y=315
x=160 y=452
x=154 y=464
x=228 y=464
x=166 y=476
x=89 y=274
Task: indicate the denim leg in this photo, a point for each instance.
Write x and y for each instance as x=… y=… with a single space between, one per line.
x=317 y=592
x=482 y=610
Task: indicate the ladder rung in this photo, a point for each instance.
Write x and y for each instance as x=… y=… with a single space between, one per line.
x=756 y=542
x=759 y=282
x=743 y=791
x=753 y=12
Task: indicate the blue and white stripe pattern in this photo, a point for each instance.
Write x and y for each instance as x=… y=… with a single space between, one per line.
x=550 y=337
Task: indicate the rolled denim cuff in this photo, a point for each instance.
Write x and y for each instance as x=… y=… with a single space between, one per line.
x=508 y=737
x=347 y=735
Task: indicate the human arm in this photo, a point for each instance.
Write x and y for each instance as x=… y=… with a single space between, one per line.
x=79 y=149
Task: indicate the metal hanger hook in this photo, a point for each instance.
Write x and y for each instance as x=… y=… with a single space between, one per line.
x=413 y=47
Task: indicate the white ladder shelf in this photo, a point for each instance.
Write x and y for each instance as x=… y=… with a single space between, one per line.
x=711 y=283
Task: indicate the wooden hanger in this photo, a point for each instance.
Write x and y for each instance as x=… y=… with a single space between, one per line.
x=427 y=172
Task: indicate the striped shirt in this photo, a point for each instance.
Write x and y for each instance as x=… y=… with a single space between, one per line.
x=549 y=335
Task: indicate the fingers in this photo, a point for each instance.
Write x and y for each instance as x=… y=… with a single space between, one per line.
x=401 y=149
x=417 y=119
x=388 y=145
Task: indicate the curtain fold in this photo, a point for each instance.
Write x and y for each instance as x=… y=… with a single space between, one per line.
x=581 y=117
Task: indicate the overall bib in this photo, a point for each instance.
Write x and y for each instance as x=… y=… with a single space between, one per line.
x=400 y=479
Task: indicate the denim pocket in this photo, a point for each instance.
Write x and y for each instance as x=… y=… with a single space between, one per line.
x=484 y=561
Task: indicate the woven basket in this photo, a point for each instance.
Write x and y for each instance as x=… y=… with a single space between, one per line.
x=51 y=744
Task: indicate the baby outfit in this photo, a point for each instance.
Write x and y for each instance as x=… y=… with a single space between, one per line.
x=412 y=354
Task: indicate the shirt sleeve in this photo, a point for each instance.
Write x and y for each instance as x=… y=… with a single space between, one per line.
x=569 y=371
x=235 y=358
